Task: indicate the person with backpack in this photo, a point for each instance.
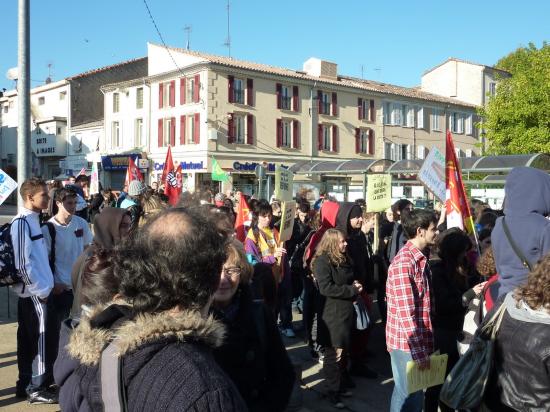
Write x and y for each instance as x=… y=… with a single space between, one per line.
x=132 y=202
x=66 y=236
x=253 y=354
x=33 y=269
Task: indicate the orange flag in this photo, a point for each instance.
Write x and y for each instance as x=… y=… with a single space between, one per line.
x=243 y=212
x=456 y=202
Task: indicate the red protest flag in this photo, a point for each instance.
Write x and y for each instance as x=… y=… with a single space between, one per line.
x=456 y=202
x=132 y=172
x=243 y=218
x=172 y=179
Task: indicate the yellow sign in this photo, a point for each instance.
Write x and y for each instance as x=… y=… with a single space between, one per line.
x=421 y=379
x=287 y=220
x=283 y=183
x=378 y=193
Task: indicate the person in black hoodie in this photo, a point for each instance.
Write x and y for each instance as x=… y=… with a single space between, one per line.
x=349 y=220
x=252 y=354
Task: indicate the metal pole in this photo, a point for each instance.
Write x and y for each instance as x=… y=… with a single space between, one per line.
x=23 y=92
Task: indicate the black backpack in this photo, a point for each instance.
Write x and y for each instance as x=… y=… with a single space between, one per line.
x=8 y=272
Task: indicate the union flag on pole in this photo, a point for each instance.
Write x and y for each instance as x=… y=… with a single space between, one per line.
x=172 y=179
x=456 y=202
x=132 y=172
x=243 y=218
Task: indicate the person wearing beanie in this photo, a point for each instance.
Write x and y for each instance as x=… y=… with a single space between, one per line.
x=132 y=202
x=219 y=199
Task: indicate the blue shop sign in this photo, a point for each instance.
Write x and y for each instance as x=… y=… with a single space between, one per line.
x=184 y=166
x=118 y=162
x=251 y=166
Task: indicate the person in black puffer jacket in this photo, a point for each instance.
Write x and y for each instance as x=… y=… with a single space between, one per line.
x=521 y=377
x=163 y=336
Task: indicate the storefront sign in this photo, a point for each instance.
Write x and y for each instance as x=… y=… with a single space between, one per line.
x=7 y=185
x=283 y=183
x=251 y=167
x=117 y=162
x=432 y=173
x=287 y=220
x=378 y=192
x=184 y=165
x=48 y=145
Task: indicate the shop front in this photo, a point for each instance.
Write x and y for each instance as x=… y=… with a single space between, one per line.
x=114 y=169
x=195 y=172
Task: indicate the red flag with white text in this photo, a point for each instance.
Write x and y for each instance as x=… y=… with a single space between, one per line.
x=132 y=172
x=456 y=202
x=243 y=219
x=172 y=179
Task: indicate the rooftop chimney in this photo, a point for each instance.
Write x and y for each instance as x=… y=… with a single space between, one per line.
x=320 y=68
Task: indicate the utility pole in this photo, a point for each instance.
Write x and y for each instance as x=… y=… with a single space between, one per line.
x=187 y=29
x=228 y=40
x=23 y=97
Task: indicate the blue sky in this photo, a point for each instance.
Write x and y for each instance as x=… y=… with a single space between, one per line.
x=400 y=38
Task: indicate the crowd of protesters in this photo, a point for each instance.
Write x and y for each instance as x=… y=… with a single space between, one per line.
x=191 y=318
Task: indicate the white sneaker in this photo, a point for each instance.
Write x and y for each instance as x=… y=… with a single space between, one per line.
x=289 y=333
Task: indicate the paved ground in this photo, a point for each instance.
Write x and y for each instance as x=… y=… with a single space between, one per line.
x=369 y=395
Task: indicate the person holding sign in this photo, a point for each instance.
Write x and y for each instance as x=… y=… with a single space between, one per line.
x=409 y=332
x=262 y=244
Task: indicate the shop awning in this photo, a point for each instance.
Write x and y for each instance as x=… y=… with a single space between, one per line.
x=342 y=167
x=503 y=164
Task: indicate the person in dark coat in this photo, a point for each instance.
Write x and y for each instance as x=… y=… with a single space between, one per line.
x=253 y=354
x=398 y=236
x=164 y=338
x=334 y=275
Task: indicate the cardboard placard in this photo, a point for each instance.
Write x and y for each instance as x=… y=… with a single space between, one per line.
x=432 y=173
x=287 y=220
x=378 y=193
x=283 y=184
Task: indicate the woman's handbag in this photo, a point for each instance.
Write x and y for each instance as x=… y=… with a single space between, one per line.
x=362 y=316
x=465 y=385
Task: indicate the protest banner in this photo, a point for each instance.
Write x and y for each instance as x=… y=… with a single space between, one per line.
x=287 y=220
x=421 y=379
x=94 y=180
x=7 y=185
x=283 y=183
x=432 y=173
x=378 y=192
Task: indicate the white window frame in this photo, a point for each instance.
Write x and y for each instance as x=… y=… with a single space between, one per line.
x=239 y=124
x=286 y=133
x=62 y=95
x=397 y=114
x=365 y=107
x=238 y=92
x=460 y=123
x=327 y=137
x=190 y=89
x=326 y=101
x=165 y=95
x=116 y=102
x=410 y=115
x=420 y=152
x=189 y=129
x=469 y=125
x=286 y=97
x=492 y=88
x=469 y=152
x=6 y=108
x=115 y=134
x=138 y=132
x=420 y=118
x=436 y=120
x=41 y=101
x=139 y=98
x=364 y=141
x=166 y=125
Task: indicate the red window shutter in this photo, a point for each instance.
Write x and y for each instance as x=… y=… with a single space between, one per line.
x=161 y=95
x=320 y=137
x=295 y=98
x=230 y=130
x=196 y=95
x=173 y=131
x=334 y=104
x=320 y=101
x=296 y=134
x=372 y=112
x=182 y=90
x=279 y=90
x=230 y=80
x=182 y=130
x=197 y=129
x=160 y=136
x=279 y=126
x=250 y=92
x=334 y=138
x=358 y=140
x=172 y=93
x=360 y=108
x=371 y=141
x=250 y=129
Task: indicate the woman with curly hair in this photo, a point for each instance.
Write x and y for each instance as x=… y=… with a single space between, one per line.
x=520 y=380
x=333 y=272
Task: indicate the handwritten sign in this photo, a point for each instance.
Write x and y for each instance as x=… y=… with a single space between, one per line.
x=283 y=183
x=432 y=173
x=7 y=185
x=378 y=193
x=287 y=220
x=421 y=379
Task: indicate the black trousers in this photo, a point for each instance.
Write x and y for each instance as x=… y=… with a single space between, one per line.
x=34 y=337
x=59 y=308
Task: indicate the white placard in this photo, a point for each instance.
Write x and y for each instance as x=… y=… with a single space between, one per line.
x=7 y=185
x=432 y=173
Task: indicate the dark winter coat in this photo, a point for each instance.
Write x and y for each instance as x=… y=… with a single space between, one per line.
x=357 y=243
x=337 y=314
x=253 y=355
x=449 y=310
x=526 y=204
x=521 y=377
x=167 y=364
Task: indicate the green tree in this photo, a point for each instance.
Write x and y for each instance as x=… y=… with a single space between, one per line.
x=517 y=119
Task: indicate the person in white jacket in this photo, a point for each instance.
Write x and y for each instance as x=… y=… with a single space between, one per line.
x=31 y=262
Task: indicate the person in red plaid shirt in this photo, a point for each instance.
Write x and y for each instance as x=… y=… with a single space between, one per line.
x=409 y=334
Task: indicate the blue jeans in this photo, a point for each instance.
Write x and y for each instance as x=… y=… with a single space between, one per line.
x=400 y=400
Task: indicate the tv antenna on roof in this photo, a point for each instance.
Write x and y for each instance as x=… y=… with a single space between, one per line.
x=49 y=78
x=187 y=29
x=228 y=40
x=378 y=70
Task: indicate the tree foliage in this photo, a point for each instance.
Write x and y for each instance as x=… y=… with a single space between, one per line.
x=517 y=119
